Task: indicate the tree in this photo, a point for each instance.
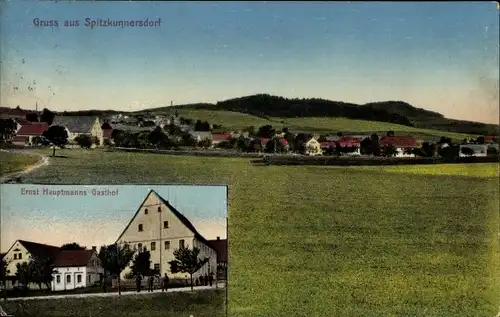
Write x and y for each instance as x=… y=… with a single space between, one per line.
x=299 y=144
x=72 y=246
x=467 y=151
x=8 y=129
x=4 y=272
x=23 y=273
x=390 y=133
x=57 y=136
x=290 y=138
x=255 y=145
x=42 y=271
x=427 y=149
x=250 y=130
x=266 y=131
x=47 y=116
x=480 y=140
x=205 y=143
x=389 y=150
x=242 y=143
x=339 y=134
x=158 y=138
x=186 y=261
x=366 y=146
x=492 y=151
x=449 y=152
x=188 y=139
x=118 y=137
x=141 y=265
x=84 y=141
x=274 y=146
x=32 y=117
x=375 y=144
x=115 y=258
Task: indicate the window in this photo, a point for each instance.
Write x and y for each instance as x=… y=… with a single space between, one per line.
x=68 y=279
x=140 y=227
x=167 y=245
x=79 y=278
x=58 y=279
x=146 y=211
x=139 y=246
x=165 y=224
x=15 y=256
x=153 y=246
x=88 y=278
x=181 y=244
x=159 y=209
x=157 y=266
x=20 y=256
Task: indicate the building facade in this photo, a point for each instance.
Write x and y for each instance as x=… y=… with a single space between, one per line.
x=159 y=228
x=75 y=269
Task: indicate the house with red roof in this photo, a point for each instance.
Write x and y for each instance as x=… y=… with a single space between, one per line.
x=403 y=144
x=75 y=269
x=28 y=132
x=219 y=137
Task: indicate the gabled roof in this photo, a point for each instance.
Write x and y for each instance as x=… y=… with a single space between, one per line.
x=327 y=144
x=70 y=258
x=179 y=216
x=398 y=141
x=39 y=249
x=34 y=128
x=221 y=136
x=220 y=246
x=76 y=124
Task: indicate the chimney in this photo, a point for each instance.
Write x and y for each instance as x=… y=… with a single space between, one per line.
x=218 y=238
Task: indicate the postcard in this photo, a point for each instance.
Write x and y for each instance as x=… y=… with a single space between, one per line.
x=357 y=143
x=168 y=242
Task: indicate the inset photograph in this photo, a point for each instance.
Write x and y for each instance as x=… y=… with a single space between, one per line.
x=164 y=248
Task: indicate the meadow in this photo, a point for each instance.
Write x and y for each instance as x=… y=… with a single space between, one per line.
x=335 y=241
x=182 y=304
x=237 y=120
x=12 y=162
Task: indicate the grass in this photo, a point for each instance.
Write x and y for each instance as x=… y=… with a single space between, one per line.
x=178 y=304
x=15 y=162
x=320 y=125
x=335 y=241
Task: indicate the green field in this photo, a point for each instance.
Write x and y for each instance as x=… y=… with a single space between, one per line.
x=336 y=241
x=200 y=303
x=11 y=163
x=237 y=120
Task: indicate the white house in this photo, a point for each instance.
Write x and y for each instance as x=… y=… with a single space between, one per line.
x=478 y=150
x=159 y=228
x=75 y=269
x=313 y=147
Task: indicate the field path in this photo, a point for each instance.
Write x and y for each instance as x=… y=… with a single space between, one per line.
x=44 y=160
x=111 y=294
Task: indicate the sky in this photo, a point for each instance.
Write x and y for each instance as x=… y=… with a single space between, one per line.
x=97 y=220
x=439 y=56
